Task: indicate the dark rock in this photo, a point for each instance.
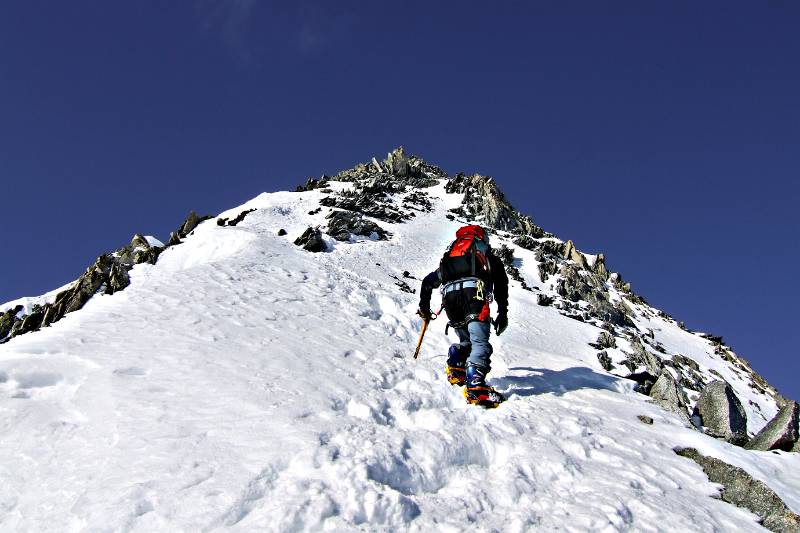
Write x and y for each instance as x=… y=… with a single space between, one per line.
x=682 y=360
x=547 y=266
x=605 y=340
x=781 y=433
x=505 y=254
x=311 y=240
x=8 y=319
x=405 y=287
x=31 y=322
x=644 y=382
x=315 y=211
x=600 y=266
x=714 y=339
x=238 y=218
x=118 y=278
x=281 y=232
x=371 y=199
x=343 y=223
x=312 y=183
x=544 y=300
x=643 y=358
x=553 y=248
x=605 y=361
x=576 y=285
x=137 y=252
x=645 y=419
x=186 y=228
x=740 y=489
x=669 y=395
x=721 y=412
x=527 y=242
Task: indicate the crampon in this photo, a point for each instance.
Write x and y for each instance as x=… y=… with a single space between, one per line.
x=484 y=396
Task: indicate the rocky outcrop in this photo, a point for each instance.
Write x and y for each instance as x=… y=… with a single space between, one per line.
x=137 y=252
x=548 y=266
x=721 y=413
x=483 y=200
x=605 y=340
x=599 y=266
x=373 y=199
x=781 y=433
x=404 y=169
x=234 y=221
x=642 y=358
x=341 y=224
x=186 y=228
x=107 y=275
x=576 y=285
x=669 y=395
x=740 y=489
x=506 y=255
x=574 y=255
x=311 y=240
x=527 y=242
x=605 y=361
x=312 y=183
x=688 y=371
x=8 y=319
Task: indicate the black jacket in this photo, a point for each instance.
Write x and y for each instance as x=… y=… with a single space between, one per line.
x=498 y=285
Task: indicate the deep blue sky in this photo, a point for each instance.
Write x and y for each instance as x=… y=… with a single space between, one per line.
x=666 y=136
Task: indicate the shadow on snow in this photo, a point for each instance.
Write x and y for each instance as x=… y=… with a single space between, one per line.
x=558 y=382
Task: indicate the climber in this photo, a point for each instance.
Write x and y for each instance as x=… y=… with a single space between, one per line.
x=470 y=276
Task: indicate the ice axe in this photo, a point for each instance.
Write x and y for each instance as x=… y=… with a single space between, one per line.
x=424 y=329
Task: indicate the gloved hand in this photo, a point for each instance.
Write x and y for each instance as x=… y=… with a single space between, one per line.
x=500 y=323
x=424 y=312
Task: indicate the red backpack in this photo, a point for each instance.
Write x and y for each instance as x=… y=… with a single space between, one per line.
x=467 y=256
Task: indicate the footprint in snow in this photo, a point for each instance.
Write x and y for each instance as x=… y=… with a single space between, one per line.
x=130 y=371
x=36 y=380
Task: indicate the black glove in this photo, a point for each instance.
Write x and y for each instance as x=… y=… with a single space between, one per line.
x=500 y=323
x=424 y=312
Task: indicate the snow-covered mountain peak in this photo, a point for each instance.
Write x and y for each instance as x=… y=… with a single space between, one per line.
x=255 y=374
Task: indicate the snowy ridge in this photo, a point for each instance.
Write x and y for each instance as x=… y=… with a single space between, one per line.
x=244 y=383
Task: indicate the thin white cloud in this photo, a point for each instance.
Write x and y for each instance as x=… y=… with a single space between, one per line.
x=232 y=18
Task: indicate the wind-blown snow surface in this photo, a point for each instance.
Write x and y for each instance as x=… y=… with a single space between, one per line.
x=244 y=383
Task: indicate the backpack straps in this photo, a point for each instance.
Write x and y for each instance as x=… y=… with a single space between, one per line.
x=474 y=250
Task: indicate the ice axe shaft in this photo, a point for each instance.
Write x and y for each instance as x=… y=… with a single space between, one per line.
x=421 y=336
x=425 y=321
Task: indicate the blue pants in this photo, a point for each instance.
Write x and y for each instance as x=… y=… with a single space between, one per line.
x=474 y=343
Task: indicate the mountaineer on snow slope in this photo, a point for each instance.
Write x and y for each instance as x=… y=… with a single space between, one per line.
x=471 y=277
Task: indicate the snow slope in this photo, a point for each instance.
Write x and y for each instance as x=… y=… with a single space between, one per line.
x=243 y=383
